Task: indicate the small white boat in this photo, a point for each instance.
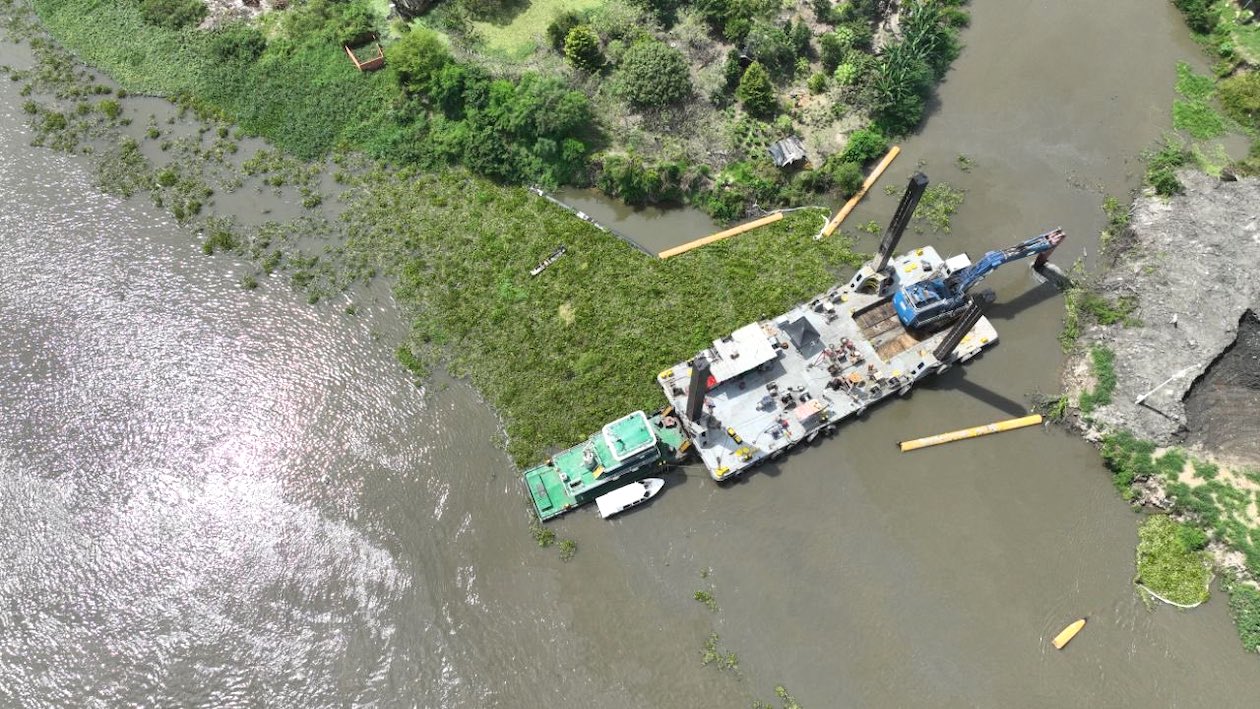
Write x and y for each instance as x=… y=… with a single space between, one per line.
x=623 y=498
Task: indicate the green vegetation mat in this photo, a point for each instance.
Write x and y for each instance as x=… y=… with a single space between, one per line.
x=1170 y=560
x=563 y=353
x=1194 y=114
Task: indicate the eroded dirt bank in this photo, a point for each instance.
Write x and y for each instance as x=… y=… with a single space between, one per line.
x=1188 y=264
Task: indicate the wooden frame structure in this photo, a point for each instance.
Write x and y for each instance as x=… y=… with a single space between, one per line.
x=370 y=64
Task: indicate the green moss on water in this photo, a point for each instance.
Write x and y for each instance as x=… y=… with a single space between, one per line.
x=939 y=203
x=1198 y=119
x=1244 y=605
x=1171 y=561
x=713 y=654
x=1195 y=87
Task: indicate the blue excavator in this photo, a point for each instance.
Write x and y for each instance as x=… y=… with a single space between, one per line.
x=934 y=302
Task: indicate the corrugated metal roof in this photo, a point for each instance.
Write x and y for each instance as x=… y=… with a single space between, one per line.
x=787 y=151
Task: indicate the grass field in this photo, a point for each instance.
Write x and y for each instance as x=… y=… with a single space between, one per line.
x=526 y=31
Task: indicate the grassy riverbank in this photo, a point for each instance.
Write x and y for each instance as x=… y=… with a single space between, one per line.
x=498 y=91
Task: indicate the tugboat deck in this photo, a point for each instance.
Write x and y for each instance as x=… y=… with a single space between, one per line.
x=622 y=452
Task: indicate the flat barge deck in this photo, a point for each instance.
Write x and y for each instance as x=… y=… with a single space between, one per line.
x=775 y=383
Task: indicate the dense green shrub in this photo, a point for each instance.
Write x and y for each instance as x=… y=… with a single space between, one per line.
x=237 y=42
x=770 y=46
x=1199 y=14
x=527 y=131
x=822 y=10
x=833 y=46
x=799 y=36
x=634 y=181
x=910 y=67
x=416 y=58
x=653 y=74
x=558 y=30
x=817 y=83
x=756 y=93
x=582 y=48
x=484 y=9
x=172 y=14
x=732 y=71
x=353 y=22
x=734 y=18
x=865 y=144
x=455 y=88
x=666 y=11
x=1240 y=96
x=857 y=11
x=846 y=74
x=847 y=177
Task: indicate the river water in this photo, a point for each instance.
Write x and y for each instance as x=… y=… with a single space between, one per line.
x=231 y=498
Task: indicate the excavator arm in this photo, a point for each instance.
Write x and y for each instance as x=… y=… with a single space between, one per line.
x=934 y=301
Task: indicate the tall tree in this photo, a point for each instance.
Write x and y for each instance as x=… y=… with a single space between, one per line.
x=756 y=92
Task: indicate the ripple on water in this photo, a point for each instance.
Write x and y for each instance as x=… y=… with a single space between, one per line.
x=178 y=462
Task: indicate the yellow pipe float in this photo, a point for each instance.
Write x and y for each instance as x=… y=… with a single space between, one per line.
x=1065 y=636
x=830 y=229
x=733 y=231
x=1008 y=425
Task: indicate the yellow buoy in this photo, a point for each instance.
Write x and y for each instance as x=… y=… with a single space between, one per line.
x=998 y=427
x=892 y=154
x=1065 y=637
x=733 y=231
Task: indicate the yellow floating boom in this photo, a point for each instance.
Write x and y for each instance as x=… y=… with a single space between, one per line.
x=892 y=154
x=1065 y=636
x=733 y=231
x=1008 y=425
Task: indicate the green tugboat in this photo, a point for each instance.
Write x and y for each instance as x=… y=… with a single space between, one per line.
x=624 y=451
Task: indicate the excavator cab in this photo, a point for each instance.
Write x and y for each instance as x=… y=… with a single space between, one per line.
x=927 y=303
x=924 y=303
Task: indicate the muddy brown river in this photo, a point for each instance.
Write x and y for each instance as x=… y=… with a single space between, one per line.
x=221 y=497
